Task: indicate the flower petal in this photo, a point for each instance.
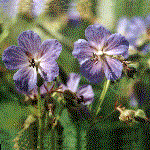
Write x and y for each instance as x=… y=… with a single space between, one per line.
x=93 y=71
x=30 y=41
x=96 y=33
x=73 y=82
x=50 y=49
x=116 y=44
x=146 y=49
x=112 y=68
x=136 y=28
x=82 y=50
x=25 y=79
x=87 y=92
x=48 y=70
x=14 y=57
x=122 y=25
x=132 y=29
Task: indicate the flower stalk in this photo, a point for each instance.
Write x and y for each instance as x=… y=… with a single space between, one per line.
x=41 y=123
x=97 y=107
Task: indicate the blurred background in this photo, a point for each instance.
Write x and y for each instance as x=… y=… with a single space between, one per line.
x=66 y=21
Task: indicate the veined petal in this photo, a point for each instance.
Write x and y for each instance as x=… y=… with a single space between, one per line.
x=93 y=71
x=50 y=49
x=25 y=79
x=96 y=33
x=83 y=50
x=30 y=41
x=48 y=70
x=73 y=82
x=112 y=68
x=116 y=44
x=14 y=57
x=87 y=92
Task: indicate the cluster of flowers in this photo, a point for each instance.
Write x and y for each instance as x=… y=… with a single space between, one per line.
x=96 y=57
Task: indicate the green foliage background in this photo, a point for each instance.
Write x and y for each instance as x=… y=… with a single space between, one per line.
x=109 y=134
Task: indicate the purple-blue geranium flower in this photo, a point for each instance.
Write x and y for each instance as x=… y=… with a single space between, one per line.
x=96 y=54
x=84 y=92
x=32 y=57
x=133 y=29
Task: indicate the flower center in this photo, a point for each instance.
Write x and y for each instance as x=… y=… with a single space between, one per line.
x=99 y=53
x=32 y=63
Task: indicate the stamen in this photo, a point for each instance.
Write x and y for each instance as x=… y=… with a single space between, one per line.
x=32 y=63
x=95 y=58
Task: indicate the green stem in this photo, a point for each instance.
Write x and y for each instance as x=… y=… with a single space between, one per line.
x=41 y=122
x=53 y=140
x=96 y=108
x=78 y=129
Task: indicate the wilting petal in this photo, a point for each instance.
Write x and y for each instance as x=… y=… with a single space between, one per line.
x=25 y=79
x=73 y=82
x=48 y=70
x=30 y=41
x=87 y=92
x=93 y=71
x=96 y=33
x=50 y=49
x=112 y=68
x=14 y=57
x=116 y=44
x=82 y=50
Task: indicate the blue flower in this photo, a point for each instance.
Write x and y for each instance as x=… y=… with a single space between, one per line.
x=98 y=56
x=77 y=98
x=133 y=29
x=32 y=57
x=84 y=93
